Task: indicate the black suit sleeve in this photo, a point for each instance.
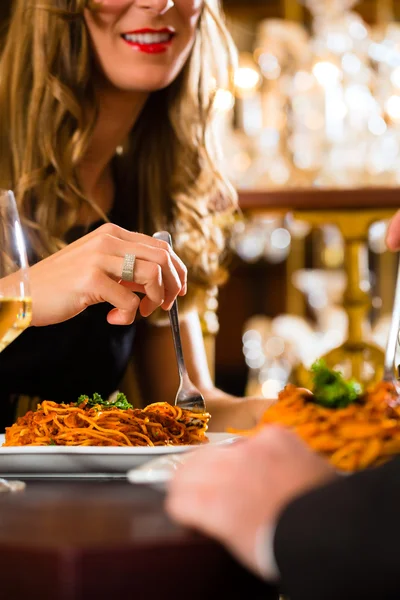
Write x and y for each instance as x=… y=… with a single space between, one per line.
x=342 y=541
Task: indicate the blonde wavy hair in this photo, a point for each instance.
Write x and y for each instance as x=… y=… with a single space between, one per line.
x=47 y=114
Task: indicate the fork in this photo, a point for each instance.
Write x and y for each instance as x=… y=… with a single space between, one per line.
x=188 y=397
x=388 y=374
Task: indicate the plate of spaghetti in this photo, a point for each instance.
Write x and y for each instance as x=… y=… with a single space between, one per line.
x=353 y=428
x=97 y=436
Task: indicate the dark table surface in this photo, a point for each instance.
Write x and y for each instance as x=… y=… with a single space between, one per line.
x=63 y=540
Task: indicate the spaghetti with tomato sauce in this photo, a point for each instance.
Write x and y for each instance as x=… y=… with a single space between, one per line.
x=87 y=423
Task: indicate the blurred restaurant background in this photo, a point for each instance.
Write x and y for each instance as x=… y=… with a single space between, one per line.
x=312 y=143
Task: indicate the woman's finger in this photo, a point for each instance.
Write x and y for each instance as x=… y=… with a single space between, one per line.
x=116 y=316
x=156 y=257
x=111 y=230
x=147 y=279
x=106 y=290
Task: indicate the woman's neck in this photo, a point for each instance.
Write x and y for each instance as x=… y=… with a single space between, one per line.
x=118 y=112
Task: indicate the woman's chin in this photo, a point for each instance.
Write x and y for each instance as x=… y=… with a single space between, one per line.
x=147 y=83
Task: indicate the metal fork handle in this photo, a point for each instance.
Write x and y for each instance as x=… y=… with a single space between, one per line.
x=176 y=335
x=393 y=330
x=174 y=317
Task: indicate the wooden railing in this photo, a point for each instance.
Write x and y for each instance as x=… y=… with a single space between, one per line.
x=352 y=211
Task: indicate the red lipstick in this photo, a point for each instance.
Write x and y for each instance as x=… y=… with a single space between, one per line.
x=150 y=41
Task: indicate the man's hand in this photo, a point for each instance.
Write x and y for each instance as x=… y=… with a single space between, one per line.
x=393 y=233
x=230 y=492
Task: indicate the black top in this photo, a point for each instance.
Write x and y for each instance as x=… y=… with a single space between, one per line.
x=60 y=362
x=341 y=541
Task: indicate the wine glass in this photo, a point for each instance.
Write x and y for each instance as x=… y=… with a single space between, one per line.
x=15 y=298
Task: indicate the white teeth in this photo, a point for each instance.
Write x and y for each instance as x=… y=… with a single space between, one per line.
x=147 y=38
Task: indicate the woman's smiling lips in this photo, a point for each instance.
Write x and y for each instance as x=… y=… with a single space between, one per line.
x=150 y=41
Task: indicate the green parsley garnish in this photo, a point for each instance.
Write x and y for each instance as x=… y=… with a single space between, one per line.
x=331 y=389
x=120 y=401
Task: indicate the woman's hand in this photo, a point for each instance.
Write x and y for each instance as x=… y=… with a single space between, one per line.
x=89 y=272
x=236 y=413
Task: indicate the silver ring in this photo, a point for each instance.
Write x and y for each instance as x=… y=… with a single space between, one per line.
x=128 y=267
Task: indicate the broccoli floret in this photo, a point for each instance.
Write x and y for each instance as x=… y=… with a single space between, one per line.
x=330 y=389
x=120 y=401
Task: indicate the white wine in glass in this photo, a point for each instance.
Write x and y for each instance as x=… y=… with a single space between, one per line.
x=15 y=298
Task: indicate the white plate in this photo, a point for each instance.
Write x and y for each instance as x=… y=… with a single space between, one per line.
x=104 y=460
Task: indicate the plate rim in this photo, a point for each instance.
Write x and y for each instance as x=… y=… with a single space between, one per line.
x=111 y=450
